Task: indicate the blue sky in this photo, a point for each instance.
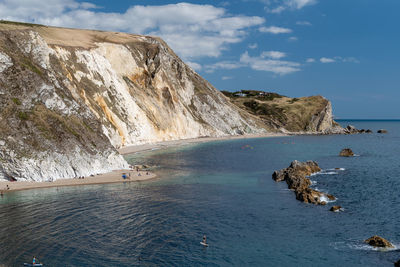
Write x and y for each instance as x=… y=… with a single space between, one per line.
x=345 y=50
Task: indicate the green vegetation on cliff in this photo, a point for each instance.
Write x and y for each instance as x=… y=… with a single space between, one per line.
x=278 y=111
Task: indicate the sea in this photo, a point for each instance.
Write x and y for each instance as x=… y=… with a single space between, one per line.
x=223 y=190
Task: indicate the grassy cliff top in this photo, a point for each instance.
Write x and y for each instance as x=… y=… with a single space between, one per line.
x=277 y=110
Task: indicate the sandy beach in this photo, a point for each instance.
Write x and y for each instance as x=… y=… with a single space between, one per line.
x=106 y=178
x=116 y=176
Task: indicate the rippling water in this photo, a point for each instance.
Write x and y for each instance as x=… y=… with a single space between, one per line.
x=222 y=189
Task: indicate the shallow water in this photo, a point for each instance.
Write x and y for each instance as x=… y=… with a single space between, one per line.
x=223 y=189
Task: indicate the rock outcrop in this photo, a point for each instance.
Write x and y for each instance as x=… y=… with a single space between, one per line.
x=377 y=241
x=69 y=98
x=382 y=131
x=335 y=208
x=296 y=178
x=346 y=152
x=397 y=263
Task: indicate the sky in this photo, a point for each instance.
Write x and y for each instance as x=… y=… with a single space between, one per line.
x=344 y=50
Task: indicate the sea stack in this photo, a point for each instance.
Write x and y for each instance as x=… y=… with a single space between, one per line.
x=346 y=152
x=336 y=208
x=377 y=241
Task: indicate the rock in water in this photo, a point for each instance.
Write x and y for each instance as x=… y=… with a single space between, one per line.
x=295 y=177
x=397 y=263
x=382 y=131
x=335 y=208
x=346 y=152
x=377 y=241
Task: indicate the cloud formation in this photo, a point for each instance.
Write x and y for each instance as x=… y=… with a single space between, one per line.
x=268 y=61
x=274 y=30
x=275 y=66
x=192 y=30
x=273 y=54
x=339 y=59
x=326 y=60
x=278 y=6
x=303 y=23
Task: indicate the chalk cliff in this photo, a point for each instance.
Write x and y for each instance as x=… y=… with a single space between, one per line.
x=69 y=98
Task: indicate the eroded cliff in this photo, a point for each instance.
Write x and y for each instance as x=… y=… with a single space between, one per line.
x=70 y=97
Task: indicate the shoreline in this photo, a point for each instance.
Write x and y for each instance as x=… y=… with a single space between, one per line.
x=105 y=178
x=174 y=143
x=116 y=176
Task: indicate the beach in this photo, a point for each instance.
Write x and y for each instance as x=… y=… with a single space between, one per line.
x=116 y=176
x=105 y=178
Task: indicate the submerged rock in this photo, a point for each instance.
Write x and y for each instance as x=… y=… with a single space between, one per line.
x=397 y=263
x=336 y=208
x=377 y=241
x=296 y=178
x=346 y=152
x=382 y=131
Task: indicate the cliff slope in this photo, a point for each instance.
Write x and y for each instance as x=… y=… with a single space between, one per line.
x=311 y=114
x=69 y=98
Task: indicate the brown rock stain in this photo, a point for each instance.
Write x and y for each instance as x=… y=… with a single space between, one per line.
x=110 y=117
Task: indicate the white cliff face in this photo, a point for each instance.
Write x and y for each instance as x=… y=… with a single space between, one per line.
x=5 y=62
x=322 y=121
x=68 y=103
x=141 y=102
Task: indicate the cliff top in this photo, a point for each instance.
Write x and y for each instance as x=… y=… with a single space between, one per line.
x=76 y=37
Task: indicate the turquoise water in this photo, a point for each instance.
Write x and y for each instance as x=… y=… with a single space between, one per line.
x=224 y=190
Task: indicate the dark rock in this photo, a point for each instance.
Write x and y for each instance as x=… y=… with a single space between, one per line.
x=397 y=263
x=382 y=131
x=279 y=176
x=296 y=178
x=377 y=241
x=330 y=197
x=368 y=131
x=351 y=129
x=346 y=152
x=335 y=208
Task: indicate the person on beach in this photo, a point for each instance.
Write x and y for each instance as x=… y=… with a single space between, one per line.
x=34 y=260
x=8 y=188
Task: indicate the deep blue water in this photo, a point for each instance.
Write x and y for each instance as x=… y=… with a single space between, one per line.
x=224 y=190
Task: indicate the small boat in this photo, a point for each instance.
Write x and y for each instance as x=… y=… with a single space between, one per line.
x=34 y=265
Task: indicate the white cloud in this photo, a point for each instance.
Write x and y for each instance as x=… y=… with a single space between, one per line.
x=278 y=6
x=271 y=65
x=192 y=30
x=274 y=30
x=264 y=62
x=310 y=60
x=273 y=54
x=347 y=59
x=293 y=39
x=339 y=59
x=303 y=23
x=226 y=65
x=326 y=60
x=194 y=65
x=253 y=46
x=224 y=78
